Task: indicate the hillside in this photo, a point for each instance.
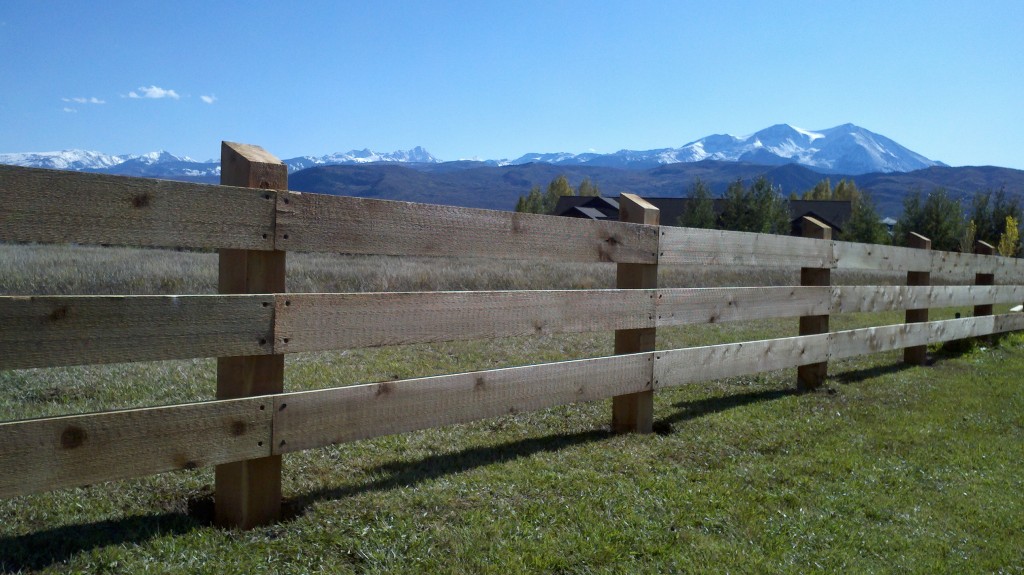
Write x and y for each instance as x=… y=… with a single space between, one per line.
x=474 y=184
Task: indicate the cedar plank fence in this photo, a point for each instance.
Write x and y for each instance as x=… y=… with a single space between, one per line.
x=254 y=221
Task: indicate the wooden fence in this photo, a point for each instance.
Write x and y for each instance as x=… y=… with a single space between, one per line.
x=253 y=322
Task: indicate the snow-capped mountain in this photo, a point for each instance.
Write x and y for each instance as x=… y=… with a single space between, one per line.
x=846 y=149
x=63 y=160
x=167 y=165
x=416 y=155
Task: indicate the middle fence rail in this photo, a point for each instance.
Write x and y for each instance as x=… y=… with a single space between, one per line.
x=239 y=326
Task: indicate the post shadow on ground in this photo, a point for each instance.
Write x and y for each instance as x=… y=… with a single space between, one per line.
x=44 y=548
x=41 y=549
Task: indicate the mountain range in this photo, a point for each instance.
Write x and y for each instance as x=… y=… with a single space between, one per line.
x=846 y=149
x=792 y=158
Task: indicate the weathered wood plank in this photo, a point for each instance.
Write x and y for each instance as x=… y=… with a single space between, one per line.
x=316 y=222
x=811 y=376
x=917 y=355
x=304 y=420
x=987 y=278
x=865 y=341
x=1011 y=271
x=248 y=493
x=961 y=328
x=1008 y=322
x=956 y=263
x=634 y=412
x=727 y=248
x=673 y=368
x=678 y=306
x=50 y=331
x=847 y=299
x=50 y=206
x=850 y=255
x=316 y=322
x=43 y=454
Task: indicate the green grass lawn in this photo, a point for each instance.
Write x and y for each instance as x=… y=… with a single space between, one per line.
x=887 y=469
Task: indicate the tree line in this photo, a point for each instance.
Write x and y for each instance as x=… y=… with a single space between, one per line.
x=536 y=202
x=992 y=216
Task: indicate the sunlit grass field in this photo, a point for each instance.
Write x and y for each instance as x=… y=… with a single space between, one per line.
x=888 y=469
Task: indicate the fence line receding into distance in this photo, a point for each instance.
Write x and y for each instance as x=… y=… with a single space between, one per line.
x=253 y=321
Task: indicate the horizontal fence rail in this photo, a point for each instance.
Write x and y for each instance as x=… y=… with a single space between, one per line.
x=44 y=454
x=250 y=332
x=48 y=206
x=50 y=331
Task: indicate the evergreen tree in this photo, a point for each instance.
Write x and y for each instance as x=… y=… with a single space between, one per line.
x=759 y=208
x=938 y=218
x=864 y=225
x=912 y=219
x=773 y=210
x=700 y=209
x=738 y=213
x=989 y=211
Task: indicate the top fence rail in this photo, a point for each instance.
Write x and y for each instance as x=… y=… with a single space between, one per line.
x=49 y=206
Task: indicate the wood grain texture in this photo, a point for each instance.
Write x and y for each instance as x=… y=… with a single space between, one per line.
x=811 y=376
x=677 y=367
x=966 y=263
x=50 y=331
x=848 y=299
x=50 y=206
x=727 y=248
x=678 y=306
x=635 y=412
x=314 y=222
x=1007 y=322
x=43 y=454
x=316 y=322
x=986 y=278
x=865 y=341
x=858 y=256
x=310 y=419
x=917 y=355
x=248 y=493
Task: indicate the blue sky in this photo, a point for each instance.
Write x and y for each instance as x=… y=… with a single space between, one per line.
x=497 y=80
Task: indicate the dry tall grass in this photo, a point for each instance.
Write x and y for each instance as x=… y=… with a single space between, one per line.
x=89 y=270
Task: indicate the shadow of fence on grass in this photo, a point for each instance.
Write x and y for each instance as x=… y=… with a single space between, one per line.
x=42 y=549
x=411 y=473
x=45 y=548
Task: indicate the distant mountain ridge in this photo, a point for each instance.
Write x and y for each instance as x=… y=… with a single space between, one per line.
x=792 y=158
x=845 y=149
x=479 y=185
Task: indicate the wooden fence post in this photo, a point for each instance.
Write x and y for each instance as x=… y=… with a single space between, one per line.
x=248 y=493
x=985 y=249
x=918 y=354
x=809 y=377
x=635 y=412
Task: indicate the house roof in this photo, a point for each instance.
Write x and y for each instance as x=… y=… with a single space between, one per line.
x=834 y=213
